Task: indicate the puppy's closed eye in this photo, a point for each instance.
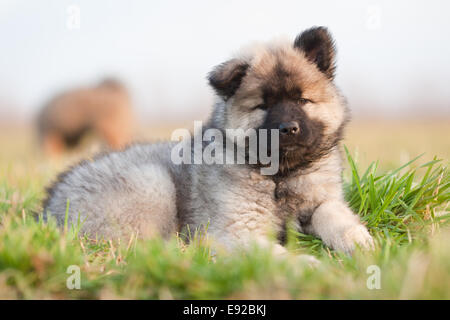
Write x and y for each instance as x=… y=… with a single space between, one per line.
x=261 y=106
x=303 y=101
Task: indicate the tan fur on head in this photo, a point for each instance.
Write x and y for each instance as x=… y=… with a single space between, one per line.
x=262 y=61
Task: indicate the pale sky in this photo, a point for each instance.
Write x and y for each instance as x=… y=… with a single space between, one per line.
x=393 y=56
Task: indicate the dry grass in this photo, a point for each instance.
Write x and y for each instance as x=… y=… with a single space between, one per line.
x=396 y=142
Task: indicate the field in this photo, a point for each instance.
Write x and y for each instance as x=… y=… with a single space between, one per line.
x=403 y=201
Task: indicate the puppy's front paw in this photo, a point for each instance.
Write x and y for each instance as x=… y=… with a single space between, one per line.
x=352 y=236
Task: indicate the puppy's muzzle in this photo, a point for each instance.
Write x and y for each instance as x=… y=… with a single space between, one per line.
x=290 y=128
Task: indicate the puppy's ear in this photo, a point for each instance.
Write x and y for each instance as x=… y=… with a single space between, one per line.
x=226 y=77
x=318 y=46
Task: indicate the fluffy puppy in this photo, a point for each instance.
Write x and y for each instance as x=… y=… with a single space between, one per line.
x=284 y=86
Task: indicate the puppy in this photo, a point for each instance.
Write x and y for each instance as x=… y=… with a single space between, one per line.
x=104 y=109
x=286 y=87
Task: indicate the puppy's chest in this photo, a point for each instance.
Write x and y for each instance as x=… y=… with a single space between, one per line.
x=298 y=198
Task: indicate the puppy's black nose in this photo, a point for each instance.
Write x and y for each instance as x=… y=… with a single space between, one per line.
x=290 y=128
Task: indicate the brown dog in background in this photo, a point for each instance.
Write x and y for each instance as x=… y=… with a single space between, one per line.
x=104 y=109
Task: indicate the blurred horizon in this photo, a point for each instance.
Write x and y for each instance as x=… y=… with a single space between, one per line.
x=393 y=58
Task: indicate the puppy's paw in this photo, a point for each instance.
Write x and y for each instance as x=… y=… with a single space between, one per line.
x=352 y=236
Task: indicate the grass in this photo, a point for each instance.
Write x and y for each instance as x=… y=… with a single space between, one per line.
x=405 y=209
